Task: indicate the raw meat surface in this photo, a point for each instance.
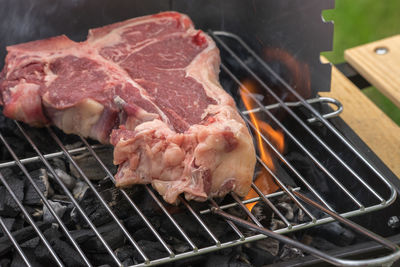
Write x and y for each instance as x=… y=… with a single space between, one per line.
x=149 y=86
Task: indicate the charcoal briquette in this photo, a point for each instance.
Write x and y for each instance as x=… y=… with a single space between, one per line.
x=101 y=259
x=268 y=244
x=13 y=224
x=181 y=247
x=52 y=233
x=41 y=180
x=322 y=244
x=128 y=262
x=31 y=243
x=277 y=224
x=124 y=252
x=82 y=235
x=67 y=253
x=232 y=257
x=57 y=207
x=61 y=198
x=42 y=255
x=217 y=260
x=154 y=250
x=93 y=208
x=17 y=261
x=145 y=234
x=8 y=207
x=79 y=190
x=188 y=223
x=18 y=145
x=91 y=167
x=219 y=227
x=20 y=236
x=59 y=163
x=111 y=233
x=288 y=252
x=258 y=256
x=133 y=223
x=334 y=232
x=68 y=180
x=5 y=262
x=64 y=250
x=286 y=209
x=30 y=254
x=263 y=213
x=9 y=222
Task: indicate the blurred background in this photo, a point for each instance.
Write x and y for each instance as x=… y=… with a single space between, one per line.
x=362 y=21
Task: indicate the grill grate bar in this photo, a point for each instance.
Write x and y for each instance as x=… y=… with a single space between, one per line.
x=231 y=224
x=284 y=187
x=176 y=225
x=200 y=221
x=126 y=196
x=47 y=156
x=250 y=200
x=89 y=183
x=316 y=113
x=246 y=210
x=19 y=250
x=45 y=201
x=31 y=221
x=68 y=194
x=298 y=143
x=269 y=203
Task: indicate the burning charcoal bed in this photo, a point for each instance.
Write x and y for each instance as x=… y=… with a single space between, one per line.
x=59 y=205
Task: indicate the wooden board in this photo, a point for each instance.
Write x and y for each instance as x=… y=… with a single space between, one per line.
x=381 y=70
x=377 y=130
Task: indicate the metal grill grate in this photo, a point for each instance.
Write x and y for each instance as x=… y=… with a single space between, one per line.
x=381 y=200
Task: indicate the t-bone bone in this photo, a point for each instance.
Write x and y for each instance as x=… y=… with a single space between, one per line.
x=149 y=86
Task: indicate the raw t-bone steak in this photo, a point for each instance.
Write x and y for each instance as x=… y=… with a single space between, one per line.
x=149 y=86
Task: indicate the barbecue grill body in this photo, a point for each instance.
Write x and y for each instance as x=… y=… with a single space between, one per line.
x=288 y=34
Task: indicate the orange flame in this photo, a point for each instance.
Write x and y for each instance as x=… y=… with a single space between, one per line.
x=263 y=180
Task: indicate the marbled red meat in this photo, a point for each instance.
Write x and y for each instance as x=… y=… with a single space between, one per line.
x=149 y=86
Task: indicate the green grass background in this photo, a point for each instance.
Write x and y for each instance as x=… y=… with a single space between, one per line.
x=362 y=21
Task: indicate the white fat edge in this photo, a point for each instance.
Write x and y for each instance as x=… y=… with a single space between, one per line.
x=138 y=46
x=114 y=36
